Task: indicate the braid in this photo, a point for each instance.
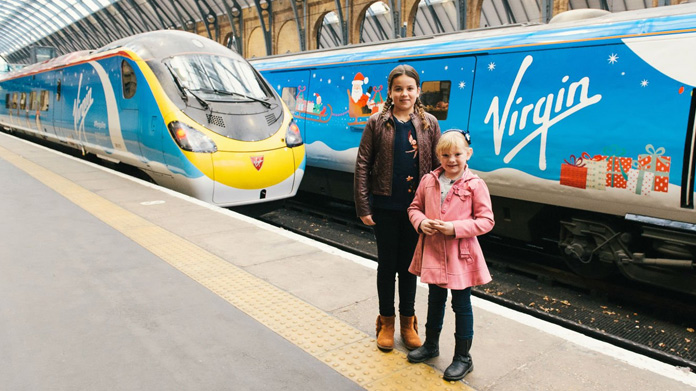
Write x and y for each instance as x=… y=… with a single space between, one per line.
x=387 y=106
x=421 y=113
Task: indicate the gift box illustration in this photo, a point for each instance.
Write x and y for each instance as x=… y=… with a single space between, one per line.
x=653 y=161
x=574 y=172
x=640 y=181
x=596 y=172
x=617 y=167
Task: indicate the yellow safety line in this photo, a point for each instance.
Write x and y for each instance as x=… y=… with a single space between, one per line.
x=344 y=348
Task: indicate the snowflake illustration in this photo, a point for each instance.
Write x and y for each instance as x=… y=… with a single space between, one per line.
x=329 y=81
x=613 y=59
x=462 y=85
x=446 y=67
x=643 y=83
x=491 y=66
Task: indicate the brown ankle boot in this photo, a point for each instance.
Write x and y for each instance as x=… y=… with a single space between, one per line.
x=385 y=332
x=409 y=331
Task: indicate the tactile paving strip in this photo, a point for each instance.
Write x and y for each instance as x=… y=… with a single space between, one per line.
x=344 y=348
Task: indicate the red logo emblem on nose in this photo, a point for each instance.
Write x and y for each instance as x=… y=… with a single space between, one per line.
x=257 y=161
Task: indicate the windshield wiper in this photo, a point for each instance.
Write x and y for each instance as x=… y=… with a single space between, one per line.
x=184 y=89
x=223 y=92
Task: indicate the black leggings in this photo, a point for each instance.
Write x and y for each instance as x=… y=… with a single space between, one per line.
x=396 y=241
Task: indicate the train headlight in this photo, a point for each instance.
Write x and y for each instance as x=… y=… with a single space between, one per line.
x=293 y=138
x=190 y=139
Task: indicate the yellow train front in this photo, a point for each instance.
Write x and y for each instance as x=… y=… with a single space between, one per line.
x=190 y=113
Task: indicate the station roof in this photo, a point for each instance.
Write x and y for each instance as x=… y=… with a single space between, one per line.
x=73 y=25
x=23 y=22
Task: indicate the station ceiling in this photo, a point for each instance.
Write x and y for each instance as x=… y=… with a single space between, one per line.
x=71 y=25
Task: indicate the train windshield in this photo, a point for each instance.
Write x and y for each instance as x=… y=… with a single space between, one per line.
x=218 y=78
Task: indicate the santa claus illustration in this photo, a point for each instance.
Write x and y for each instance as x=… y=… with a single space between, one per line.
x=361 y=99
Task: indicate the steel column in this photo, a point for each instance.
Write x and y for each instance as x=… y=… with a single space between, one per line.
x=235 y=16
x=266 y=12
x=342 y=23
x=300 y=23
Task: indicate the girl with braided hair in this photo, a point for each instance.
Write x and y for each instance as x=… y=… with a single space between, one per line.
x=396 y=150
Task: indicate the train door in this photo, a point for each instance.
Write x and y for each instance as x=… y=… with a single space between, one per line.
x=446 y=89
x=143 y=106
x=129 y=113
x=58 y=107
x=292 y=87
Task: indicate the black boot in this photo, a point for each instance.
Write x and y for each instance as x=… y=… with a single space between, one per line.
x=429 y=349
x=461 y=363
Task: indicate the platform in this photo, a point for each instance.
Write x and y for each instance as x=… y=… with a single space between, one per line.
x=111 y=283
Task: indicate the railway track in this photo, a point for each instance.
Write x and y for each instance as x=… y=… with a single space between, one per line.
x=653 y=323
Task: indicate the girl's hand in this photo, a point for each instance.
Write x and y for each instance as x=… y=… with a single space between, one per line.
x=367 y=220
x=427 y=226
x=446 y=228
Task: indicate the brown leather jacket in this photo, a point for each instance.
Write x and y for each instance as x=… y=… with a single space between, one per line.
x=375 y=161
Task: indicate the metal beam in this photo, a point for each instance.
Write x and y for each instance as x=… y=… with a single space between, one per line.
x=264 y=12
x=342 y=23
x=508 y=11
x=436 y=19
x=157 y=10
x=105 y=26
x=300 y=23
x=461 y=14
x=234 y=15
x=121 y=12
x=115 y=21
x=190 y=19
x=209 y=18
x=128 y=19
x=98 y=29
x=141 y=14
x=395 y=6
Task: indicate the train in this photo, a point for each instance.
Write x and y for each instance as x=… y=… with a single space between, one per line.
x=583 y=129
x=189 y=113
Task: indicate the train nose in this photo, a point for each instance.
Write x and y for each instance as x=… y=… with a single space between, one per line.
x=260 y=175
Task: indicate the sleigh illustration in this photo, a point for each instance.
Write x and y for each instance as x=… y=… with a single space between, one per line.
x=361 y=110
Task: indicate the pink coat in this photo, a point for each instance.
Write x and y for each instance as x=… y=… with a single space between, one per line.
x=452 y=262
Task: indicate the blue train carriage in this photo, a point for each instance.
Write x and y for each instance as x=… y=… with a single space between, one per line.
x=583 y=130
x=190 y=113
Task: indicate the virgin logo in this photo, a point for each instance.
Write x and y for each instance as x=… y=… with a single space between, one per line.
x=257 y=161
x=518 y=111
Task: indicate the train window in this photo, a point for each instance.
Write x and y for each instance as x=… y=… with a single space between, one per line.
x=32 y=101
x=288 y=95
x=23 y=101
x=219 y=78
x=129 y=80
x=14 y=100
x=58 y=91
x=435 y=97
x=44 y=100
x=7 y=101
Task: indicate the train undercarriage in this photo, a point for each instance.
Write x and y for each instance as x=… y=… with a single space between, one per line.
x=652 y=251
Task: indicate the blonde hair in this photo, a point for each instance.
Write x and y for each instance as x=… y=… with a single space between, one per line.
x=448 y=140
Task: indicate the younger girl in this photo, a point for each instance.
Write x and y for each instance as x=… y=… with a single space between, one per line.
x=396 y=150
x=451 y=207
